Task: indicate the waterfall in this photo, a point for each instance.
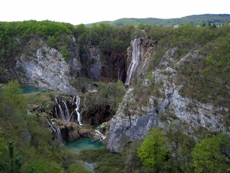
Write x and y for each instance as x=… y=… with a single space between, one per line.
x=52 y=127
x=56 y=131
x=61 y=114
x=77 y=103
x=62 y=111
x=73 y=100
x=134 y=62
x=79 y=118
x=99 y=133
x=58 y=134
x=66 y=110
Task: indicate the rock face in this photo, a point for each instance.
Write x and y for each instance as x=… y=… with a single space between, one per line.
x=188 y=110
x=126 y=127
x=103 y=67
x=92 y=63
x=97 y=114
x=46 y=69
x=163 y=107
x=43 y=66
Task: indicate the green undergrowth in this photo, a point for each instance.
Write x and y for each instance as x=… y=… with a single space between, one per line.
x=105 y=161
x=32 y=144
x=107 y=94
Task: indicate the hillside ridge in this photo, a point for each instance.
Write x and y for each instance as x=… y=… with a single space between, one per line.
x=216 y=19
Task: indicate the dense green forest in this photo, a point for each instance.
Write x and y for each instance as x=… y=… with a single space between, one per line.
x=26 y=145
x=15 y=35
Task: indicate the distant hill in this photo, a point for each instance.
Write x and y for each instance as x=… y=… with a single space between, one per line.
x=216 y=19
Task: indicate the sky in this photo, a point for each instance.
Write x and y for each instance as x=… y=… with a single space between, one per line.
x=90 y=11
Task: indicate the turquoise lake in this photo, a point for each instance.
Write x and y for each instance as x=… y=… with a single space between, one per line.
x=83 y=144
x=31 y=89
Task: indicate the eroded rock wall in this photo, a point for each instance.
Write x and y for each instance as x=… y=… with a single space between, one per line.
x=47 y=68
x=163 y=105
x=103 y=67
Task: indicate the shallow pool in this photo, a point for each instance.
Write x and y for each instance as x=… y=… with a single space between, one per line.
x=31 y=89
x=83 y=144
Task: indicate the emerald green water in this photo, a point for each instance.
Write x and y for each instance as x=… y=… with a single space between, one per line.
x=83 y=144
x=31 y=89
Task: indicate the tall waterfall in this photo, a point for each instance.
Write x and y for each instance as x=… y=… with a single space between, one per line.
x=77 y=103
x=134 y=62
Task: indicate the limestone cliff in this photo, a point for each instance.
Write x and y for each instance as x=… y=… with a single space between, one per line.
x=46 y=68
x=103 y=67
x=158 y=102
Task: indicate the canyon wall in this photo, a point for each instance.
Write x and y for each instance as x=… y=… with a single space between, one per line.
x=158 y=102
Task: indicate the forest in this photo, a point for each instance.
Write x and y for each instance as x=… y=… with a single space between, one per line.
x=26 y=144
x=216 y=19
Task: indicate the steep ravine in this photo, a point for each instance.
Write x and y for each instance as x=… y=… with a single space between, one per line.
x=157 y=101
x=163 y=105
x=40 y=65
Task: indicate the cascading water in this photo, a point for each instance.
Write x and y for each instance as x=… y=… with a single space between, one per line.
x=56 y=131
x=59 y=136
x=66 y=110
x=134 y=62
x=77 y=103
x=56 y=101
x=61 y=114
x=99 y=133
x=62 y=111
x=52 y=126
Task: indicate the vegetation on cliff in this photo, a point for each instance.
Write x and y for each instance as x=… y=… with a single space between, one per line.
x=205 y=79
x=208 y=74
x=14 y=37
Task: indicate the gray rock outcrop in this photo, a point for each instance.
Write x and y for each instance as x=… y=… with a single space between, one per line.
x=46 y=69
x=133 y=119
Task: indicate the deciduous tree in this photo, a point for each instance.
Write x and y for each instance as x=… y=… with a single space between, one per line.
x=207 y=155
x=152 y=152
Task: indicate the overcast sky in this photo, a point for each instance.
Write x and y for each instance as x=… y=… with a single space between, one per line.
x=89 y=11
